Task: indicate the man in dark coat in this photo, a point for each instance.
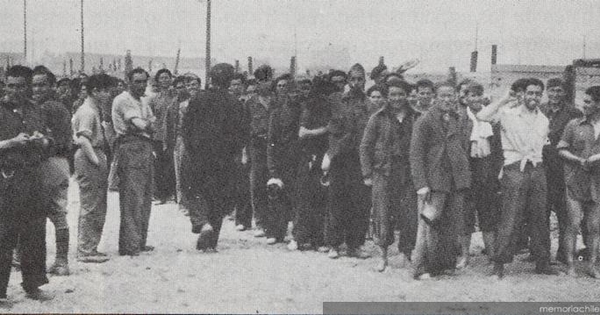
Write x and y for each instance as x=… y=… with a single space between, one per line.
x=211 y=134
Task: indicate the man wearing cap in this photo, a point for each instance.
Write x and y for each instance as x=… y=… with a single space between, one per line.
x=211 y=137
x=133 y=122
x=259 y=109
x=349 y=197
x=559 y=112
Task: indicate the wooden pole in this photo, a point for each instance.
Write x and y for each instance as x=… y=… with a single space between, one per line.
x=25 y=31
x=207 y=76
x=82 y=42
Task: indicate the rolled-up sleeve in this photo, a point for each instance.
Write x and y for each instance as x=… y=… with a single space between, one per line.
x=84 y=124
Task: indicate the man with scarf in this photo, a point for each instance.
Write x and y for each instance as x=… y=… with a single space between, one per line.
x=441 y=175
x=349 y=198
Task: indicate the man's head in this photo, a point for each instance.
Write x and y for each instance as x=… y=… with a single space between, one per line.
x=378 y=73
x=393 y=77
x=356 y=77
x=378 y=94
x=193 y=83
x=425 y=91
x=338 y=78
x=180 y=88
x=251 y=86
x=282 y=84
x=264 y=78
x=221 y=75
x=473 y=96
x=138 y=80
x=518 y=87
x=533 y=93
x=304 y=85
x=163 y=78
x=461 y=89
x=63 y=87
x=556 y=91
x=398 y=92
x=446 y=96
x=42 y=84
x=238 y=84
x=98 y=87
x=18 y=79
x=591 y=101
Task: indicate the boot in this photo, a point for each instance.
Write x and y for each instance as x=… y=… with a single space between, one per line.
x=488 y=241
x=465 y=244
x=61 y=263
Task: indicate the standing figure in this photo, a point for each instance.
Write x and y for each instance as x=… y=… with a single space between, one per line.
x=384 y=156
x=55 y=170
x=349 y=198
x=440 y=170
x=524 y=134
x=580 y=149
x=211 y=137
x=559 y=112
x=91 y=168
x=133 y=122
x=24 y=141
x=164 y=173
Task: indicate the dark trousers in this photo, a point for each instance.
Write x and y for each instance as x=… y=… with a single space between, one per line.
x=395 y=204
x=349 y=203
x=135 y=170
x=208 y=200
x=242 y=199
x=259 y=175
x=556 y=200
x=93 y=189
x=164 y=172
x=437 y=244
x=311 y=207
x=22 y=219
x=483 y=198
x=524 y=193
x=283 y=205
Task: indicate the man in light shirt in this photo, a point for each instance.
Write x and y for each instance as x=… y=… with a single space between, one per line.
x=524 y=133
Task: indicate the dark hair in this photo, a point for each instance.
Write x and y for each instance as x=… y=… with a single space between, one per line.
x=161 y=71
x=465 y=81
x=424 y=83
x=239 y=76
x=191 y=77
x=520 y=85
x=137 y=70
x=263 y=73
x=393 y=75
x=381 y=88
x=19 y=71
x=251 y=82
x=98 y=81
x=536 y=82
x=376 y=72
x=61 y=81
x=179 y=79
x=285 y=76
x=42 y=70
x=475 y=88
x=555 y=82
x=337 y=73
x=594 y=92
x=407 y=87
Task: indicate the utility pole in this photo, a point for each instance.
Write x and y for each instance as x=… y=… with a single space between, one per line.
x=25 y=31
x=82 y=42
x=207 y=77
x=584 y=46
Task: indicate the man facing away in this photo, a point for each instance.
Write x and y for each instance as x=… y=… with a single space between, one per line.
x=133 y=122
x=524 y=134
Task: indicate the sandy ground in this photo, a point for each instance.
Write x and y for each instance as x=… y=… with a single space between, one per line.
x=248 y=276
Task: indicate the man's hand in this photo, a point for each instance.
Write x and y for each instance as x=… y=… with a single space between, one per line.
x=368 y=181
x=244 y=159
x=326 y=164
x=510 y=98
x=303 y=133
x=20 y=140
x=275 y=181
x=424 y=193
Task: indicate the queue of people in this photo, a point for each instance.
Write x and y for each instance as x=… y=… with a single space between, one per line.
x=429 y=161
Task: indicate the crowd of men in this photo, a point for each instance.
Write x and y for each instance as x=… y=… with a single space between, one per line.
x=430 y=161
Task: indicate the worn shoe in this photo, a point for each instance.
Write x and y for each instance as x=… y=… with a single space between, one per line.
x=259 y=233
x=498 y=271
x=271 y=241
x=333 y=253
x=292 y=245
x=59 y=268
x=94 y=258
x=357 y=253
x=240 y=227
x=39 y=295
x=323 y=249
x=97 y=253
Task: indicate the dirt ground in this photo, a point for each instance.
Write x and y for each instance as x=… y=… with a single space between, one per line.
x=248 y=276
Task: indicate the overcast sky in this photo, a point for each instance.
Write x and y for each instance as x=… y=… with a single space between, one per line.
x=441 y=33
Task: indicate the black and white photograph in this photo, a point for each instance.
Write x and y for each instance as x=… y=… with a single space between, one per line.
x=300 y=156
